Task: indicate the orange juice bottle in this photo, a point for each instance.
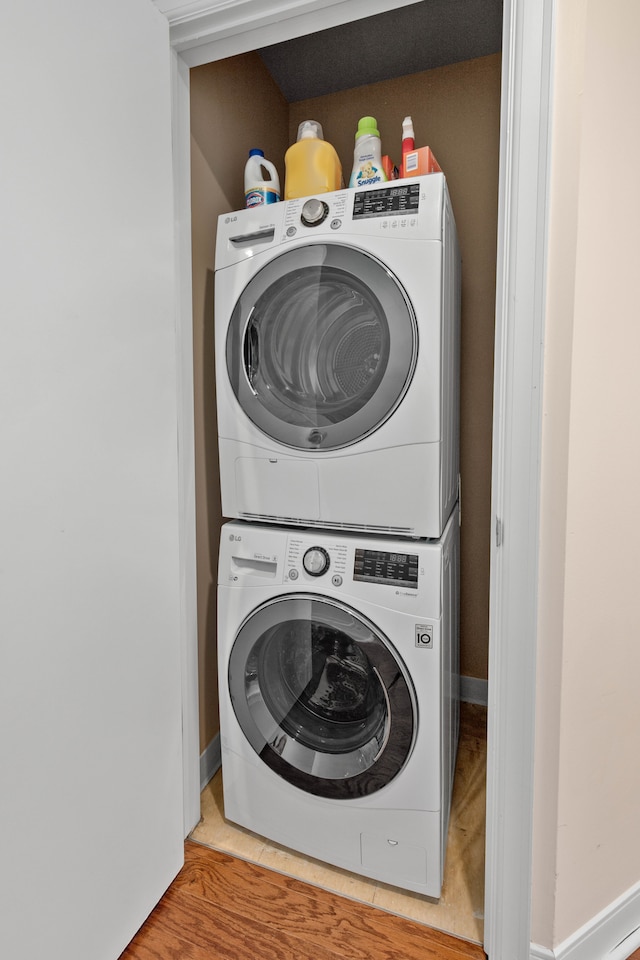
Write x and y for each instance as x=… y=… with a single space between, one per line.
x=311 y=164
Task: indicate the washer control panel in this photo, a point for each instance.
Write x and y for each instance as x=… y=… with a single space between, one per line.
x=337 y=561
x=404 y=575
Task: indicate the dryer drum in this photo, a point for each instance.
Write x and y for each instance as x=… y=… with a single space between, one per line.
x=323 y=337
x=357 y=358
x=324 y=354
x=322 y=697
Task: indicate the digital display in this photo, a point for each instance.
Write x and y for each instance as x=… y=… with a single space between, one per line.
x=378 y=566
x=387 y=201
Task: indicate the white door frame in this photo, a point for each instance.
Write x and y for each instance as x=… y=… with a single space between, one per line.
x=520 y=308
x=206 y=30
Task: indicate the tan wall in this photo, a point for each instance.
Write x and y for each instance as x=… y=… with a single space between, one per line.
x=456 y=111
x=235 y=106
x=587 y=776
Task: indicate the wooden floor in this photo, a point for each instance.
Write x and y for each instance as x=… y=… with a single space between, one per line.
x=223 y=908
x=226 y=907
x=460 y=909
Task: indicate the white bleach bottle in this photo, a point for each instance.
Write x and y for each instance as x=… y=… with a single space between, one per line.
x=261 y=180
x=367 y=156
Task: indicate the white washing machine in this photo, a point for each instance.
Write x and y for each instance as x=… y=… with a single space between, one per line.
x=339 y=674
x=337 y=360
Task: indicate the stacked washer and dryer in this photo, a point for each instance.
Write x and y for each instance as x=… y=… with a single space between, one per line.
x=337 y=372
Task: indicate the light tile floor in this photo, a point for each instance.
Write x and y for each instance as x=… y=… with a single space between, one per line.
x=460 y=908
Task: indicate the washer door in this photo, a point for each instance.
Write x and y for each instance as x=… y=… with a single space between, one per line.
x=321 y=346
x=321 y=697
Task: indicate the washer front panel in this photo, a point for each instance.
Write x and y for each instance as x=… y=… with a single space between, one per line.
x=321 y=346
x=321 y=696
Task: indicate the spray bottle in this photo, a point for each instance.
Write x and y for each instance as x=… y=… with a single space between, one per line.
x=408 y=142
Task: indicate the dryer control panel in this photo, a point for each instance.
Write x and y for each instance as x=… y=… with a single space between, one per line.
x=400 y=198
x=395 y=205
x=410 y=209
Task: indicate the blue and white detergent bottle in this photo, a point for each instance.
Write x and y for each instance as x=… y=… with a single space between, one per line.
x=261 y=180
x=367 y=156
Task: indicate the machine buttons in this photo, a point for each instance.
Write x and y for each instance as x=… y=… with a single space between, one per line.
x=293 y=574
x=336 y=580
x=316 y=561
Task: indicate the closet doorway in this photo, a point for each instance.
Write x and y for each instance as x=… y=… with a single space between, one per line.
x=511 y=589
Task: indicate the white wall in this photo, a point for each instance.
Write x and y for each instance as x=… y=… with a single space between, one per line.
x=90 y=705
x=586 y=836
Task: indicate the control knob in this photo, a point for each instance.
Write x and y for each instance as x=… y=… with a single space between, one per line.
x=316 y=561
x=314 y=212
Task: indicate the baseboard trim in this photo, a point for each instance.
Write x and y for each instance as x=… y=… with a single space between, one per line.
x=613 y=934
x=541 y=953
x=210 y=761
x=474 y=690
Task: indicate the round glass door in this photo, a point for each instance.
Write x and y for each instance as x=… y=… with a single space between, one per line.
x=321 y=697
x=321 y=346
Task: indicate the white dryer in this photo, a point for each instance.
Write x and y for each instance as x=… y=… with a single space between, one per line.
x=338 y=667
x=337 y=360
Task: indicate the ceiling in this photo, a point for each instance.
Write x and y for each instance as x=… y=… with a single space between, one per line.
x=421 y=36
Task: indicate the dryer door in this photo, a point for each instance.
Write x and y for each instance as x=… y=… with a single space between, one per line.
x=321 y=346
x=322 y=697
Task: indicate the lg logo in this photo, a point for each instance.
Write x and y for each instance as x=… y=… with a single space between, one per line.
x=234 y=537
x=424 y=636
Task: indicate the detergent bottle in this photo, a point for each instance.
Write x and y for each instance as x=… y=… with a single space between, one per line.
x=261 y=180
x=311 y=164
x=367 y=156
